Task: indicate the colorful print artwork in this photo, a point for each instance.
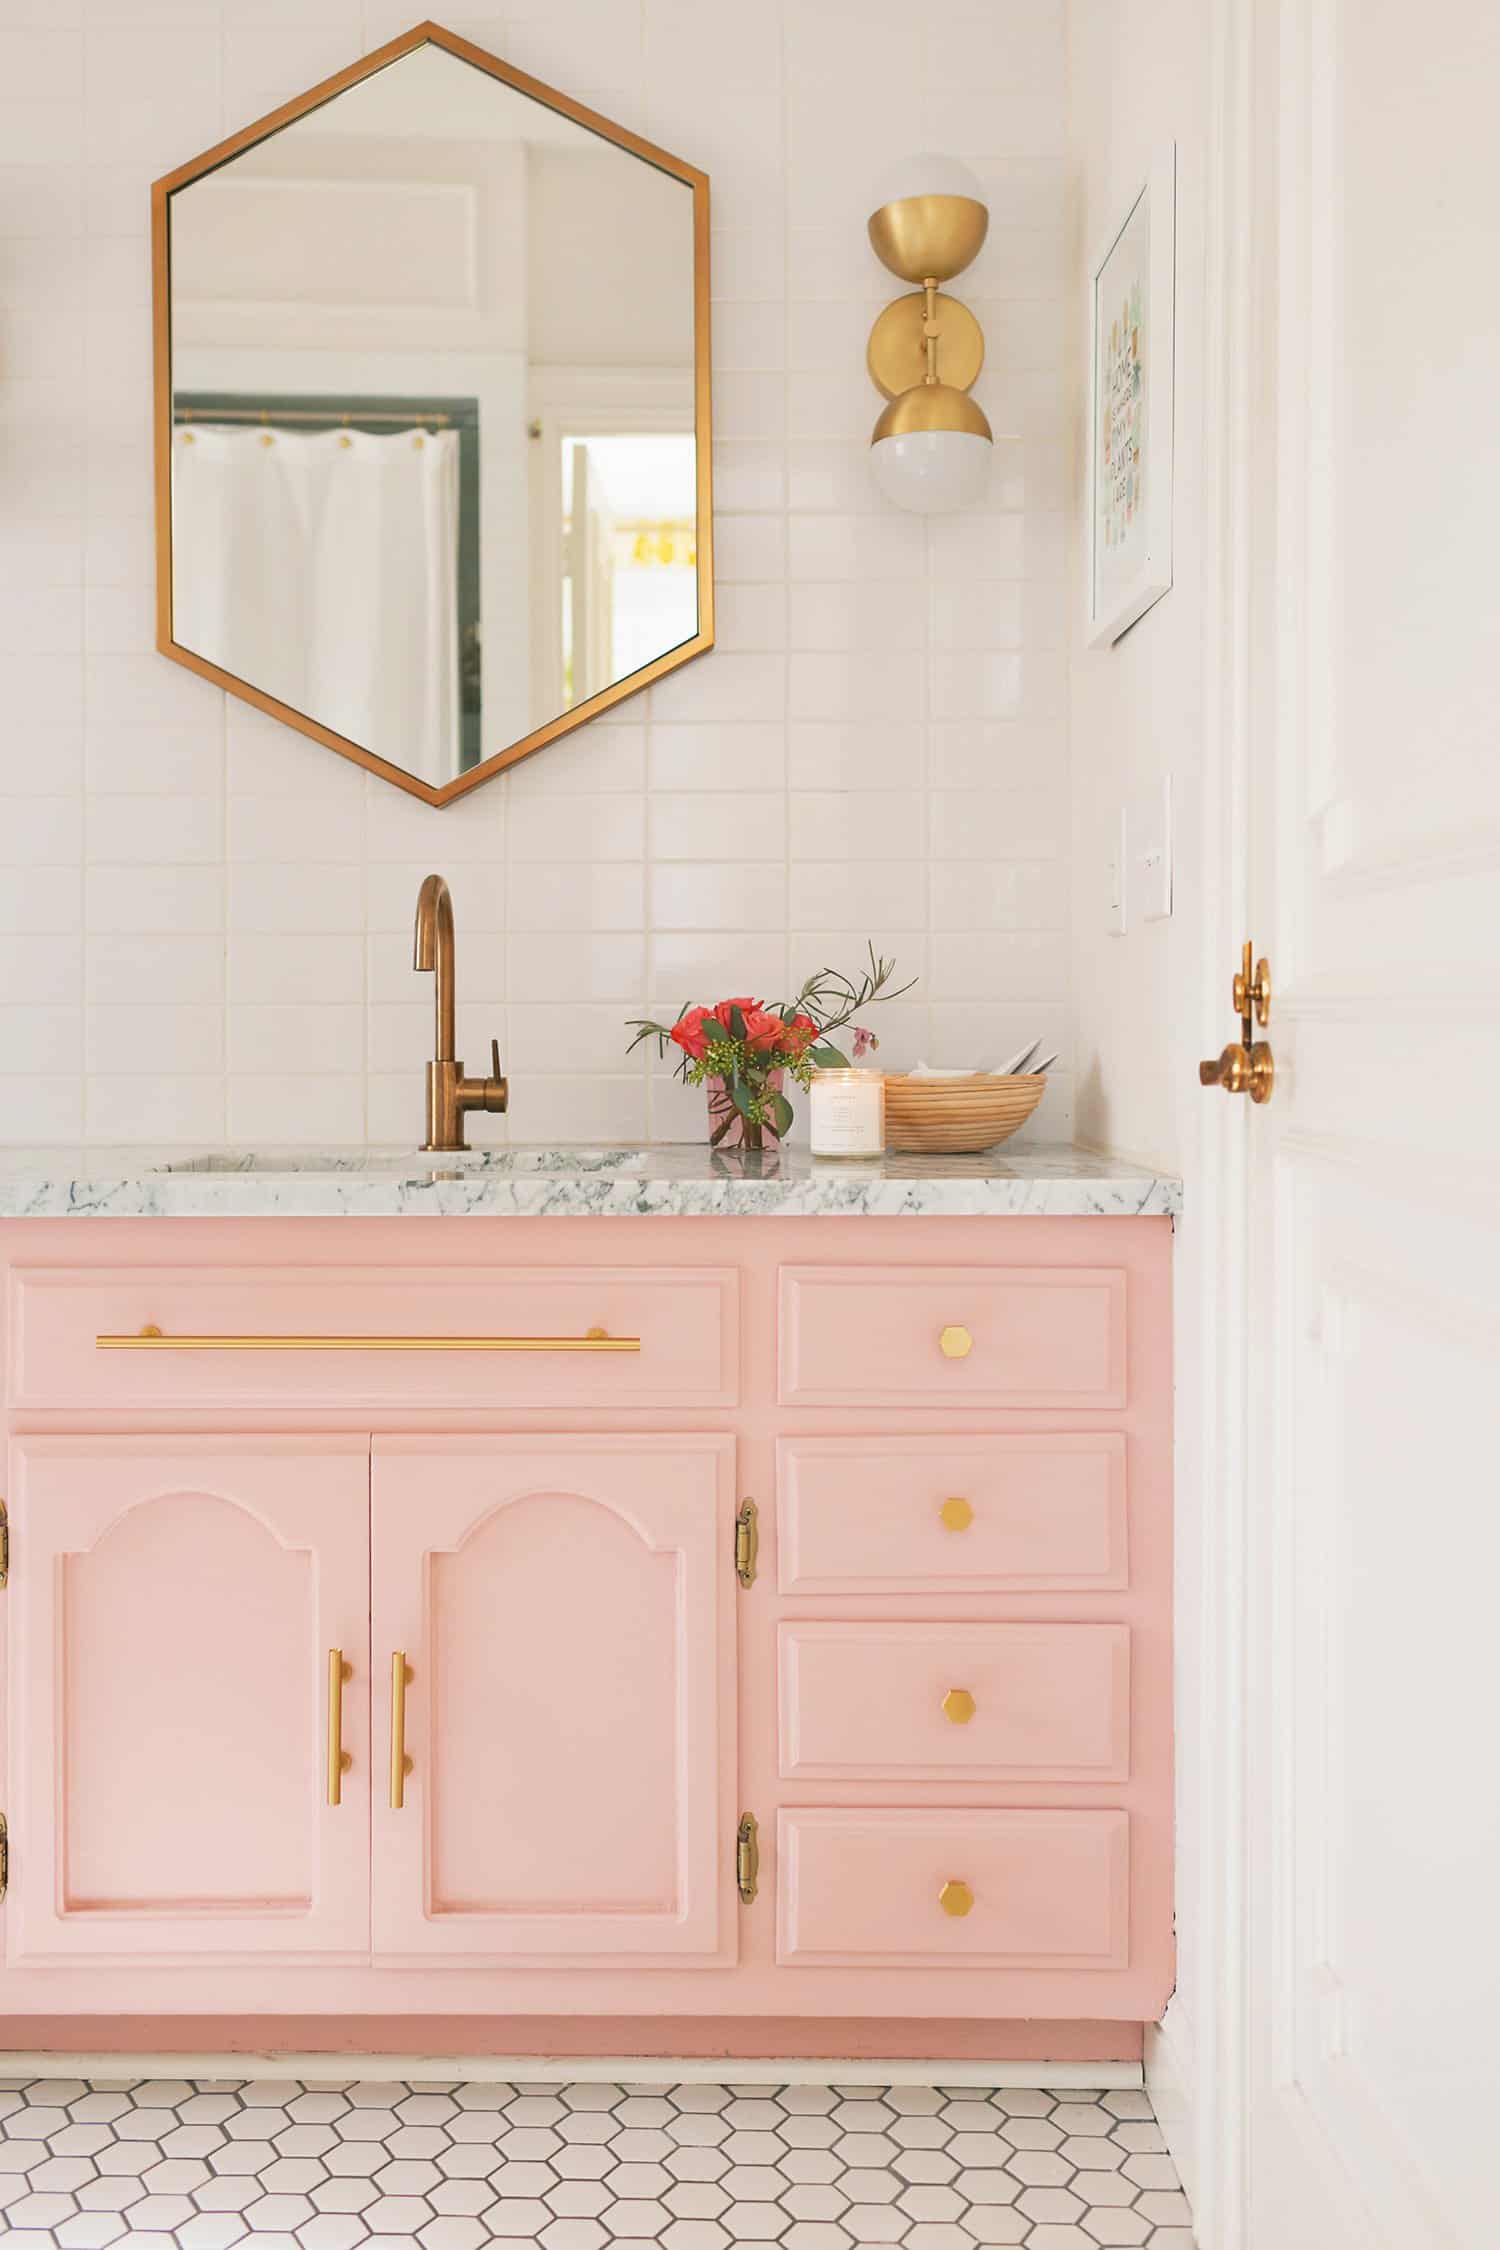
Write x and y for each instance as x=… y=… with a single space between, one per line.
x=1122 y=409
x=1131 y=410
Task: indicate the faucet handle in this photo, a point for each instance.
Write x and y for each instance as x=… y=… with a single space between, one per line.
x=496 y=1091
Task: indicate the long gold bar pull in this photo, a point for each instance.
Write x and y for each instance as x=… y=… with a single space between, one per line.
x=339 y=1759
x=401 y=1675
x=151 y=1339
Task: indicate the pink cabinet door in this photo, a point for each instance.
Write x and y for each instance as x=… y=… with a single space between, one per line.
x=564 y=1606
x=174 y=1602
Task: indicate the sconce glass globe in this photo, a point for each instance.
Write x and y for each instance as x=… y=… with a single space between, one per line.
x=929 y=220
x=931 y=449
x=927 y=174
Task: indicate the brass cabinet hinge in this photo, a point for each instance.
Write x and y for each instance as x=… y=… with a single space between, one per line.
x=746 y=1542
x=4 y=1546
x=4 y=1856
x=747 y=1858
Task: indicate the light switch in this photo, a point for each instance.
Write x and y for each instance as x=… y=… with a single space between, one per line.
x=1148 y=851
x=1114 y=920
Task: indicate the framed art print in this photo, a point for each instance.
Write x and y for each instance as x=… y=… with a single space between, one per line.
x=1131 y=287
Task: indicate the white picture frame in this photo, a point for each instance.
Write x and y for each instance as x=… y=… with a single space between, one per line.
x=1132 y=286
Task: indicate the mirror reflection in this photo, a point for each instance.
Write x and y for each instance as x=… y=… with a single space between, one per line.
x=434 y=454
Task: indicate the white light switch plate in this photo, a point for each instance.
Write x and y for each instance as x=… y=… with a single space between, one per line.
x=1148 y=851
x=1114 y=920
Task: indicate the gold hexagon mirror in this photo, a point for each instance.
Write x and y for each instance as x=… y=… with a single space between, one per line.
x=432 y=414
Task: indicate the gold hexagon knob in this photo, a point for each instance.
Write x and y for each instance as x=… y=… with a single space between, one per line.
x=955 y=1897
x=955 y=1343
x=955 y=1515
x=959 y=1706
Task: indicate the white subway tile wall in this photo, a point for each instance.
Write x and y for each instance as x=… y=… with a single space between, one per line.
x=205 y=918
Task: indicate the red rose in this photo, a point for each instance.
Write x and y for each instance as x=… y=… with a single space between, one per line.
x=725 y=1008
x=801 y=1032
x=689 y=1034
x=762 y=1030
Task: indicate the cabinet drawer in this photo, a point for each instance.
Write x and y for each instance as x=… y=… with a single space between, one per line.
x=1048 y=1889
x=424 y=1337
x=1024 y=1336
x=952 y=1515
x=955 y=1702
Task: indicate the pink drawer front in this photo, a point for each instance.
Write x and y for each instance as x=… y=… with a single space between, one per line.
x=1048 y=1889
x=955 y=1702
x=953 y=1336
x=952 y=1515
x=258 y=1337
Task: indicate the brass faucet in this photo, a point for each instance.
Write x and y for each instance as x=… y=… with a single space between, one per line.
x=449 y=1094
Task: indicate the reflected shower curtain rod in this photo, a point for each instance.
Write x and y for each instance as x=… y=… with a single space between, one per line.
x=333 y=416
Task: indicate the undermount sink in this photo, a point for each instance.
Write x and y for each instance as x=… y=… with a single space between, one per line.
x=411 y=1160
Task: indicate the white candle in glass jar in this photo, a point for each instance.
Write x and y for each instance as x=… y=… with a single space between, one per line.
x=846 y=1113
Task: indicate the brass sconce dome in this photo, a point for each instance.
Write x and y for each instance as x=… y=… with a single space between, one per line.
x=932 y=406
x=930 y=448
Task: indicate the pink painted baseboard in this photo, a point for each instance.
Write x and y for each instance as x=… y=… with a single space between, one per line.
x=684 y=2037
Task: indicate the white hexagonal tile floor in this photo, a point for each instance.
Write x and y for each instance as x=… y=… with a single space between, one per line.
x=259 y=2164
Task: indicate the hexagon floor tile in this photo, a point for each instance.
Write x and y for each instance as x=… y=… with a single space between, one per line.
x=261 y=2164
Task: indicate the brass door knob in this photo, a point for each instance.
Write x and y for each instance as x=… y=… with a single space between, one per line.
x=955 y=1897
x=955 y=1343
x=959 y=1706
x=955 y=1515
x=1242 y=1072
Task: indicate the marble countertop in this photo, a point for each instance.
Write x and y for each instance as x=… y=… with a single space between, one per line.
x=684 y=1180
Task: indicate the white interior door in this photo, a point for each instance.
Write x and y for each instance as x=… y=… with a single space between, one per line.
x=1374 y=1184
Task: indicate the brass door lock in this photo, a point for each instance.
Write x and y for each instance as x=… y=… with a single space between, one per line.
x=1246 y=1065
x=1249 y=992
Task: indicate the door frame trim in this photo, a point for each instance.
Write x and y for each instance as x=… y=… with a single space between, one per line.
x=1196 y=2061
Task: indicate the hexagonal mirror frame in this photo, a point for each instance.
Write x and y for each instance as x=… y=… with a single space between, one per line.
x=433 y=34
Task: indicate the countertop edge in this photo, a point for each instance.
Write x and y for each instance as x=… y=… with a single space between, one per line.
x=239 y=1198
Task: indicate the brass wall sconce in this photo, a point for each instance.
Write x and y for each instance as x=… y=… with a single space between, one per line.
x=930 y=449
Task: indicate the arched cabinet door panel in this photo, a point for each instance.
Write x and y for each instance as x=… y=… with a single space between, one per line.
x=565 y=1610
x=173 y=1605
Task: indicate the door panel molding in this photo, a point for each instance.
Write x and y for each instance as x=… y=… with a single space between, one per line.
x=432 y=1498
x=90 y=1501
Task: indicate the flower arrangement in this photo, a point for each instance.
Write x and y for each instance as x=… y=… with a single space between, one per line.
x=744 y=1050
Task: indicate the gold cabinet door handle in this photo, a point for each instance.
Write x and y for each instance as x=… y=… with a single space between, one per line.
x=747 y=1859
x=959 y=1706
x=339 y=1759
x=956 y=1514
x=151 y=1339
x=955 y=1343
x=401 y=1765
x=955 y=1897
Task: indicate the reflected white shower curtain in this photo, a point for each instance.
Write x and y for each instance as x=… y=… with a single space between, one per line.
x=323 y=568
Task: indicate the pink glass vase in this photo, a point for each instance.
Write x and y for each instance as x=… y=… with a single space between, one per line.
x=726 y=1127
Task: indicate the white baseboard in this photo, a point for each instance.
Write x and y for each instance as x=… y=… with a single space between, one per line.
x=1169 y=2081
x=573 y=2070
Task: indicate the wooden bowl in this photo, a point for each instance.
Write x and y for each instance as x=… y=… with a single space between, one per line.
x=964 y=1115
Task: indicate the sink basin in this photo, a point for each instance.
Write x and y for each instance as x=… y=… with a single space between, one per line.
x=401 y=1162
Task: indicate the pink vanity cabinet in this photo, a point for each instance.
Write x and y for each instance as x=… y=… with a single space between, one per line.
x=414 y=1679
